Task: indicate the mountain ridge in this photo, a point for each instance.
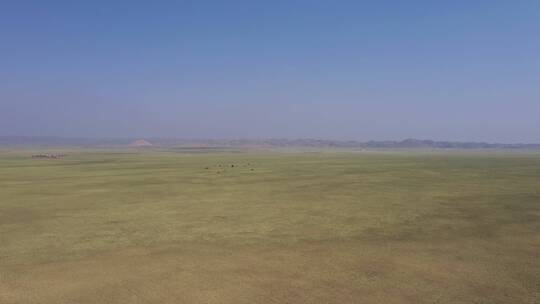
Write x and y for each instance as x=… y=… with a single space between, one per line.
x=409 y=143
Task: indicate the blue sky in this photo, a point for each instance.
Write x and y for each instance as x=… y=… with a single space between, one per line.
x=360 y=70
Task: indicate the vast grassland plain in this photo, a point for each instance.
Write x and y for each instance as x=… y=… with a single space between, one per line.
x=143 y=226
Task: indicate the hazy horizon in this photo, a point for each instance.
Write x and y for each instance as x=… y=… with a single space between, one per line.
x=31 y=139
x=456 y=71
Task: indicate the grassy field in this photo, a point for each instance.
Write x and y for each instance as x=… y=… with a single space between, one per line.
x=270 y=227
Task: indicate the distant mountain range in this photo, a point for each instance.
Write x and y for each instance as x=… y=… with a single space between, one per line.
x=404 y=144
x=254 y=143
x=262 y=143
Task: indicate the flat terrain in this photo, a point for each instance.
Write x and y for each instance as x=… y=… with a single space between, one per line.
x=270 y=227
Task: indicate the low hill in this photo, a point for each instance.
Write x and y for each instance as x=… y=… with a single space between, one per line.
x=140 y=143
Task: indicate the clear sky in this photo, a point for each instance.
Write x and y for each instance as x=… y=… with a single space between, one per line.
x=359 y=70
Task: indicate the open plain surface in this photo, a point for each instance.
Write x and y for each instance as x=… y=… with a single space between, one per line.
x=143 y=226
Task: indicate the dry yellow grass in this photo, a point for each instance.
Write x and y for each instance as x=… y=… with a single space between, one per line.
x=158 y=227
